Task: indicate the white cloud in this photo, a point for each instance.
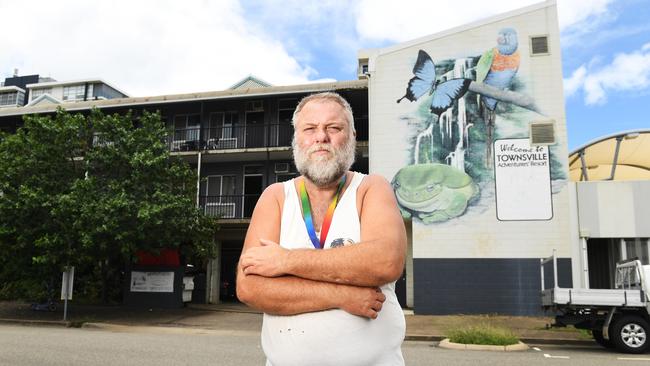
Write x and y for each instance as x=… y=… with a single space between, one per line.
x=408 y=19
x=628 y=72
x=575 y=82
x=576 y=12
x=144 y=47
x=587 y=22
x=151 y=47
x=314 y=32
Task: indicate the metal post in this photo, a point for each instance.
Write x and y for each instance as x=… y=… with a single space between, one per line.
x=198 y=180
x=585 y=262
x=555 y=269
x=584 y=166
x=615 y=162
x=541 y=270
x=65 y=293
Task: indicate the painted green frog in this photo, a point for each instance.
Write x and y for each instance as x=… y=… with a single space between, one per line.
x=433 y=192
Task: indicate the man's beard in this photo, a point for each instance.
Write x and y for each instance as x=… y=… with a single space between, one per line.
x=327 y=169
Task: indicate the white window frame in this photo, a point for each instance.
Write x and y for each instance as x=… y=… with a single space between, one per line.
x=79 y=92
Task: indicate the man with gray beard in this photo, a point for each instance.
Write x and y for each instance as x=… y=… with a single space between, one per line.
x=323 y=252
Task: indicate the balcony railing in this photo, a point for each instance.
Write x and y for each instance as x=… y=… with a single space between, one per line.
x=229 y=207
x=242 y=137
x=231 y=137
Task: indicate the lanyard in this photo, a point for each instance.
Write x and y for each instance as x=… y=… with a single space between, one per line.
x=306 y=213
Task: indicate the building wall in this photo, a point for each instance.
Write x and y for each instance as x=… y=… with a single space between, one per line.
x=475 y=220
x=614 y=209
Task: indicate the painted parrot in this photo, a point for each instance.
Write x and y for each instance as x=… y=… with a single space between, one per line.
x=497 y=68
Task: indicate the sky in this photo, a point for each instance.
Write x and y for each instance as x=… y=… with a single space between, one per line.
x=155 y=47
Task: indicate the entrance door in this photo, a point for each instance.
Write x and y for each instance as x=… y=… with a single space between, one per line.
x=253 y=187
x=255 y=129
x=230 y=252
x=602 y=256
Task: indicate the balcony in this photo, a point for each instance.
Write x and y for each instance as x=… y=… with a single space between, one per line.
x=231 y=137
x=242 y=136
x=229 y=207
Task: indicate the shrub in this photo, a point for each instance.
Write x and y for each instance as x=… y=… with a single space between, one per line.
x=483 y=334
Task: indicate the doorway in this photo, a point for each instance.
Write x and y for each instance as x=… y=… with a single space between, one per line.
x=253 y=187
x=255 y=129
x=599 y=254
x=230 y=253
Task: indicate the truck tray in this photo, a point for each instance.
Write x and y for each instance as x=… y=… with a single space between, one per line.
x=593 y=297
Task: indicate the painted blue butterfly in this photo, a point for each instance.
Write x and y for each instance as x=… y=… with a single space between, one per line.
x=444 y=93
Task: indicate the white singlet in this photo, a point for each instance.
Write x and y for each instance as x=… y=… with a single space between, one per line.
x=332 y=337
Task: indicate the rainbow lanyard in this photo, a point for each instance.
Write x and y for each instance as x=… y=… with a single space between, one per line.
x=309 y=222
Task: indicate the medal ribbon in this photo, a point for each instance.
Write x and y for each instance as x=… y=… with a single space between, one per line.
x=309 y=222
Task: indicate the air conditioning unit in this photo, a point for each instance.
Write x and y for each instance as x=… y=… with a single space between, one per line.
x=227 y=143
x=542 y=133
x=281 y=168
x=221 y=210
x=539 y=45
x=100 y=141
x=255 y=106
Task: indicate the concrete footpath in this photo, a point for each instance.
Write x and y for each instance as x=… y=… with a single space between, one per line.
x=240 y=318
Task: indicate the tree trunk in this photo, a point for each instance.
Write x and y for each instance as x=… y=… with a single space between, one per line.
x=507 y=96
x=104 y=272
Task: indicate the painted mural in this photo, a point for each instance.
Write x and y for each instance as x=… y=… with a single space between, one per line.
x=463 y=106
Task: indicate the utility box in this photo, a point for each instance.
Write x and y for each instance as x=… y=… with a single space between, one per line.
x=188 y=287
x=156 y=281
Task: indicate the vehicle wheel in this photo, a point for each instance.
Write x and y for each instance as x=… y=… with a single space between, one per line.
x=629 y=333
x=598 y=337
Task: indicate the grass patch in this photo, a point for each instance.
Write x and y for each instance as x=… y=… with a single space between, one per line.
x=78 y=323
x=582 y=333
x=483 y=334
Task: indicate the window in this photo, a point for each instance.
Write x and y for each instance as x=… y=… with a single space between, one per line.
x=35 y=93
x=637 y=248
x=186 y=127
x=75 y=92
x=218 y=191
x=282 y=132
x=221 y=125
x=8 y=98
x=218 y=185
x=285 y=110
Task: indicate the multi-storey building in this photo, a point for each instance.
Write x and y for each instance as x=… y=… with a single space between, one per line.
x=238 y=141
x=13 y=91
x=11 y=96
x=72 y=91
x=18 y=91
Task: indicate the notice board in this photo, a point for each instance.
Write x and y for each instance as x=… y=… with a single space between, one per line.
x=522 y=176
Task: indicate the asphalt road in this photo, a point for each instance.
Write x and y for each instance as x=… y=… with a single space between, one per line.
x=31 y=346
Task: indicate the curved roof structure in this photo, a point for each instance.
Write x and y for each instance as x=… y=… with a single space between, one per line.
x=621 y=156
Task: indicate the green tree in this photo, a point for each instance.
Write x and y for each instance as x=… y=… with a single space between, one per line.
x=104 y=188
x=38 y=167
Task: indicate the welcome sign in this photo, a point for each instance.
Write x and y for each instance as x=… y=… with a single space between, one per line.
x=523 y=180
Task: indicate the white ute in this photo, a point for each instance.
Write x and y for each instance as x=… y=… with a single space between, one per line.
x=618 y=318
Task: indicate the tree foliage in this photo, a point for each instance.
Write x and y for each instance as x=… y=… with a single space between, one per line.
x=82 y=190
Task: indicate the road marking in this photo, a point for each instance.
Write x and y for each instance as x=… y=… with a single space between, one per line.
x=536 y=349
x=633 y=359
x=549 y=356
